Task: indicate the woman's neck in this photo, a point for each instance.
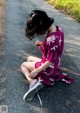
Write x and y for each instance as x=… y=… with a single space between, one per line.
x=51 y=29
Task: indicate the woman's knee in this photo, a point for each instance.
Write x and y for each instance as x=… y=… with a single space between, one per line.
x=29 y=65
x=24 y=64
x=29 y=58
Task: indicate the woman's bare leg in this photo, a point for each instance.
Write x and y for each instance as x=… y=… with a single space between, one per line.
x=26 y=68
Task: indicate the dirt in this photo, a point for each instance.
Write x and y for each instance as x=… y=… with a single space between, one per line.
x=2 y=19
x=2 y=24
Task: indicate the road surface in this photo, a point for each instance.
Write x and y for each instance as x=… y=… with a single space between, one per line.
x=60 y=98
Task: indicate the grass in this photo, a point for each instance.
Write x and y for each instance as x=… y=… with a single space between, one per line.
x=70 y=7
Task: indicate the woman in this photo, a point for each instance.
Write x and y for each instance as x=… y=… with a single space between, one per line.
x=45 y=70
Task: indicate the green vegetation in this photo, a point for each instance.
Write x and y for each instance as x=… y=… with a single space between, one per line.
x=70 y=7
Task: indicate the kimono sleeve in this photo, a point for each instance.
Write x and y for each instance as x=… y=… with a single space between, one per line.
x=52 y=52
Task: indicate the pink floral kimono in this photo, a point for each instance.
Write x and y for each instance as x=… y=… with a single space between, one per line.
x=52 y=49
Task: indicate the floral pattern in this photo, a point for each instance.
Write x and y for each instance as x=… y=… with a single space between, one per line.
x=52 y=49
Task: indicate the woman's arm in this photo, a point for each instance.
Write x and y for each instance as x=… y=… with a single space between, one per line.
x=44 y=66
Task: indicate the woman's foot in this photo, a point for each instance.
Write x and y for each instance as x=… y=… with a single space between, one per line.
x=32 y=91
x=32 y=82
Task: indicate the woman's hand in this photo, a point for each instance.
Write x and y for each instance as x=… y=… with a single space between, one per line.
x=33 y=73
x=38 y=43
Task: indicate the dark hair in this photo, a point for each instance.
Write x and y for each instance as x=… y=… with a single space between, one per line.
x=37 y=23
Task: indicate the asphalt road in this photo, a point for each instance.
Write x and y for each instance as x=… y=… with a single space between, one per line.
x=60 y=98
